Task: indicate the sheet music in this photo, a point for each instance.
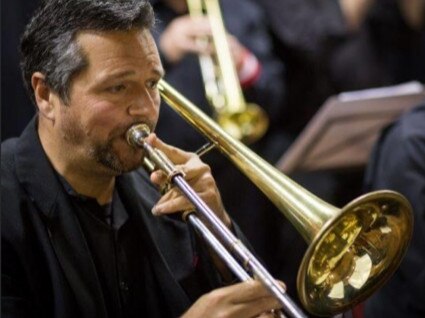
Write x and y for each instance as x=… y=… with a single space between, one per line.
x=408 y=88
x=342 y=133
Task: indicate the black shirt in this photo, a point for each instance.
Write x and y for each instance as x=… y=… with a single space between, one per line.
x=121 y=257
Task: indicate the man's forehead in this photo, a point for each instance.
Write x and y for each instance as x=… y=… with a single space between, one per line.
x=111 y=45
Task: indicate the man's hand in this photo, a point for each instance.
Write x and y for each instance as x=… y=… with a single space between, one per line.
x=355 y=11
x=197 y=174
x=182 y=37
x=247 y=299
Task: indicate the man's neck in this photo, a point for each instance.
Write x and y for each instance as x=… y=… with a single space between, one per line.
x=97 y=188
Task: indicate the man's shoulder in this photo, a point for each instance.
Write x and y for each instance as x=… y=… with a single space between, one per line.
x=8 y=149
x=11 y=192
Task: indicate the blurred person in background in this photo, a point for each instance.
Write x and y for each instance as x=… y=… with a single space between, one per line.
x=386 y=44
x=260 y=72
x=398 y=163
x=330 y=46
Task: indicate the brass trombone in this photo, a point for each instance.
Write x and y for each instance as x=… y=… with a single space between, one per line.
x=155 y=159
x=243 y=121
x=352 y=251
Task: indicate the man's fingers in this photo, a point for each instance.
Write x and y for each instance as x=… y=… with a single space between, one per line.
x=248 y=291
x=168 y=205
x=176 y=155
x=258 y=307
x=195 y=26
x=186 y=162
x=254 y=290
x=159 y=178
x=246 y=299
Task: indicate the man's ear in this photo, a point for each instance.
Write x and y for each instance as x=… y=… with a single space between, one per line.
x=43 y=95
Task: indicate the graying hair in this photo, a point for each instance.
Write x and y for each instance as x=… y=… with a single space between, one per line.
x=48 y=44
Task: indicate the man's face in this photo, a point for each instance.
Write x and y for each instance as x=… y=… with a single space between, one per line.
x=116 y=90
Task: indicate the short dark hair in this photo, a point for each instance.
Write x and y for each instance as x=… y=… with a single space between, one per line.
x=48 y=44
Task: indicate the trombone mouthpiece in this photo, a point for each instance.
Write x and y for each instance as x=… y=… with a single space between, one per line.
x=136 y=134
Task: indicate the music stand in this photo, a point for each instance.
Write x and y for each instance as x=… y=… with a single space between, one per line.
x=344 y=130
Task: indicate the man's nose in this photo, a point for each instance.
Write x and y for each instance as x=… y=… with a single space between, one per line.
x=142 y=105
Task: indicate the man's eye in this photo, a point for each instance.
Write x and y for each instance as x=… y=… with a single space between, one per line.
x=152 y=84
x=116 y=88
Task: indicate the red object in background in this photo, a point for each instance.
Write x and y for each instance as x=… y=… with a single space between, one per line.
x=358 y=311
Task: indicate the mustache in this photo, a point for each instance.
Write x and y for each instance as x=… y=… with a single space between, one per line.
x=121 y=130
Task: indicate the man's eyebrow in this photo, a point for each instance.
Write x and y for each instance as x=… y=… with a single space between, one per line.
x=115 y=76
x=107 y=77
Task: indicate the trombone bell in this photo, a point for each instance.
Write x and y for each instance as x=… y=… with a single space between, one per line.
x=355 y=252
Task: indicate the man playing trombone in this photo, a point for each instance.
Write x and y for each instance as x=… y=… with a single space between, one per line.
x=78 y=235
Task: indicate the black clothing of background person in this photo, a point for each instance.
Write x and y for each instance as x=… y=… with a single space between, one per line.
x=260 y=221
x=323 y=56
x=398 y=163
x=387 y=50
x=304 y=33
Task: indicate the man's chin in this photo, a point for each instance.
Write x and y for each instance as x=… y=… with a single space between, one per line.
x=117 y=167
x=121 y=160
